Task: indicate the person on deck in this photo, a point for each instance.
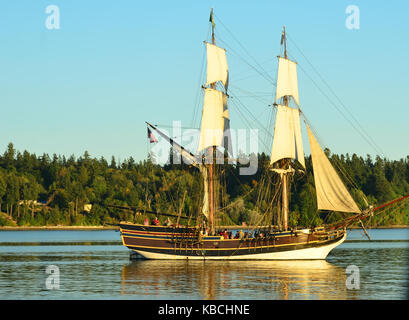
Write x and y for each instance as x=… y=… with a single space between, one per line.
x=226 y=234
x=146 y=222
x=241 y=234
x=156 y=221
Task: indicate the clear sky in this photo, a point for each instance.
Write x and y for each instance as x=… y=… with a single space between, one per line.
x=91 y=84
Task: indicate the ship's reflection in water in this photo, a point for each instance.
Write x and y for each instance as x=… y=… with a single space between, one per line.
x=234 y=280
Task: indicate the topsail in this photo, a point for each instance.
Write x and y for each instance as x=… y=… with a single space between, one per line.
x=287 y=84
x=217 y=69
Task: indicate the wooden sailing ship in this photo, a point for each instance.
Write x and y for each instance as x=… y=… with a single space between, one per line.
x=204 y=240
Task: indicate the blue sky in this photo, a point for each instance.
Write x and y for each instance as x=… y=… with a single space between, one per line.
x=114 y=64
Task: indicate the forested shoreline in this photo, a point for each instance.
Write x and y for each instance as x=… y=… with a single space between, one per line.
x=58 y=191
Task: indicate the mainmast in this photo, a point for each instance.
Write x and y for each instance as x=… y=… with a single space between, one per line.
x=285 y=162
x=287 y=142
x=287 y=146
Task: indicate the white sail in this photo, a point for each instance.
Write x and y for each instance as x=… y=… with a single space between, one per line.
x=287 y=141
x=287 y=84
x=331 y=191
x=215 y=118
x=217 y=69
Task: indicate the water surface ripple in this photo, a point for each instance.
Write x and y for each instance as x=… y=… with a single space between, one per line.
x=104 y=271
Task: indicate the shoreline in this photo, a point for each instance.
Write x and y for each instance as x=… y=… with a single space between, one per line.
x=95 y=228
x=60 y=228
x=394 y=226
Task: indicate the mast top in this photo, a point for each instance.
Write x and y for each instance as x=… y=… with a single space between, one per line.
x=211 y=19
x=284 y=42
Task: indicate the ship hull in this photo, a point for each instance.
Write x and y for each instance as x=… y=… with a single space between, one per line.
x=152 y=242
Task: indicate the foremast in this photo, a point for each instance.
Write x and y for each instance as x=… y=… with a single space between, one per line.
x=211 y=151
x=214 y=126
x=215 y=120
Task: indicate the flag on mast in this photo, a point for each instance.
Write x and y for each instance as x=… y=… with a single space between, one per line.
x=211 y=18
x=151 y=137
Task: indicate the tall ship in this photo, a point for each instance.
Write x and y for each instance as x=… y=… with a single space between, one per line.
x=274 y=239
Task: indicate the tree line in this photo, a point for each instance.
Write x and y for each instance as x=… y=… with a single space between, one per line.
x=54 y=190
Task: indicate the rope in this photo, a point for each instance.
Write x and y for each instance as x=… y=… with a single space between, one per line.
x=244 y=48
x=372 y=143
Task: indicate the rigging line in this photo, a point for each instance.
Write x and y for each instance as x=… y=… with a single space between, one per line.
x=166 y=191
x=262 y=113
x=236 y=98
x=169 y=126
x=271 y=202
x=254 y=94
x=336 y=96
x=243 y=78
x=265 y=102
x=336 y=163
x=264 y=61
x=340 y=111
x=258 y=98
x=264 y=190
x=267 y=138
x=234 y=202
x=339 y=100
x=245 y=120
x=263 y=74
x=199 y=96
x=243 y=47
x=199 y=92
x=256 y=120
x=392 y=208
x=248 y=123
x=249 y=126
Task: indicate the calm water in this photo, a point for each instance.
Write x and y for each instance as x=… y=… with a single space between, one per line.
x=101 y=271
